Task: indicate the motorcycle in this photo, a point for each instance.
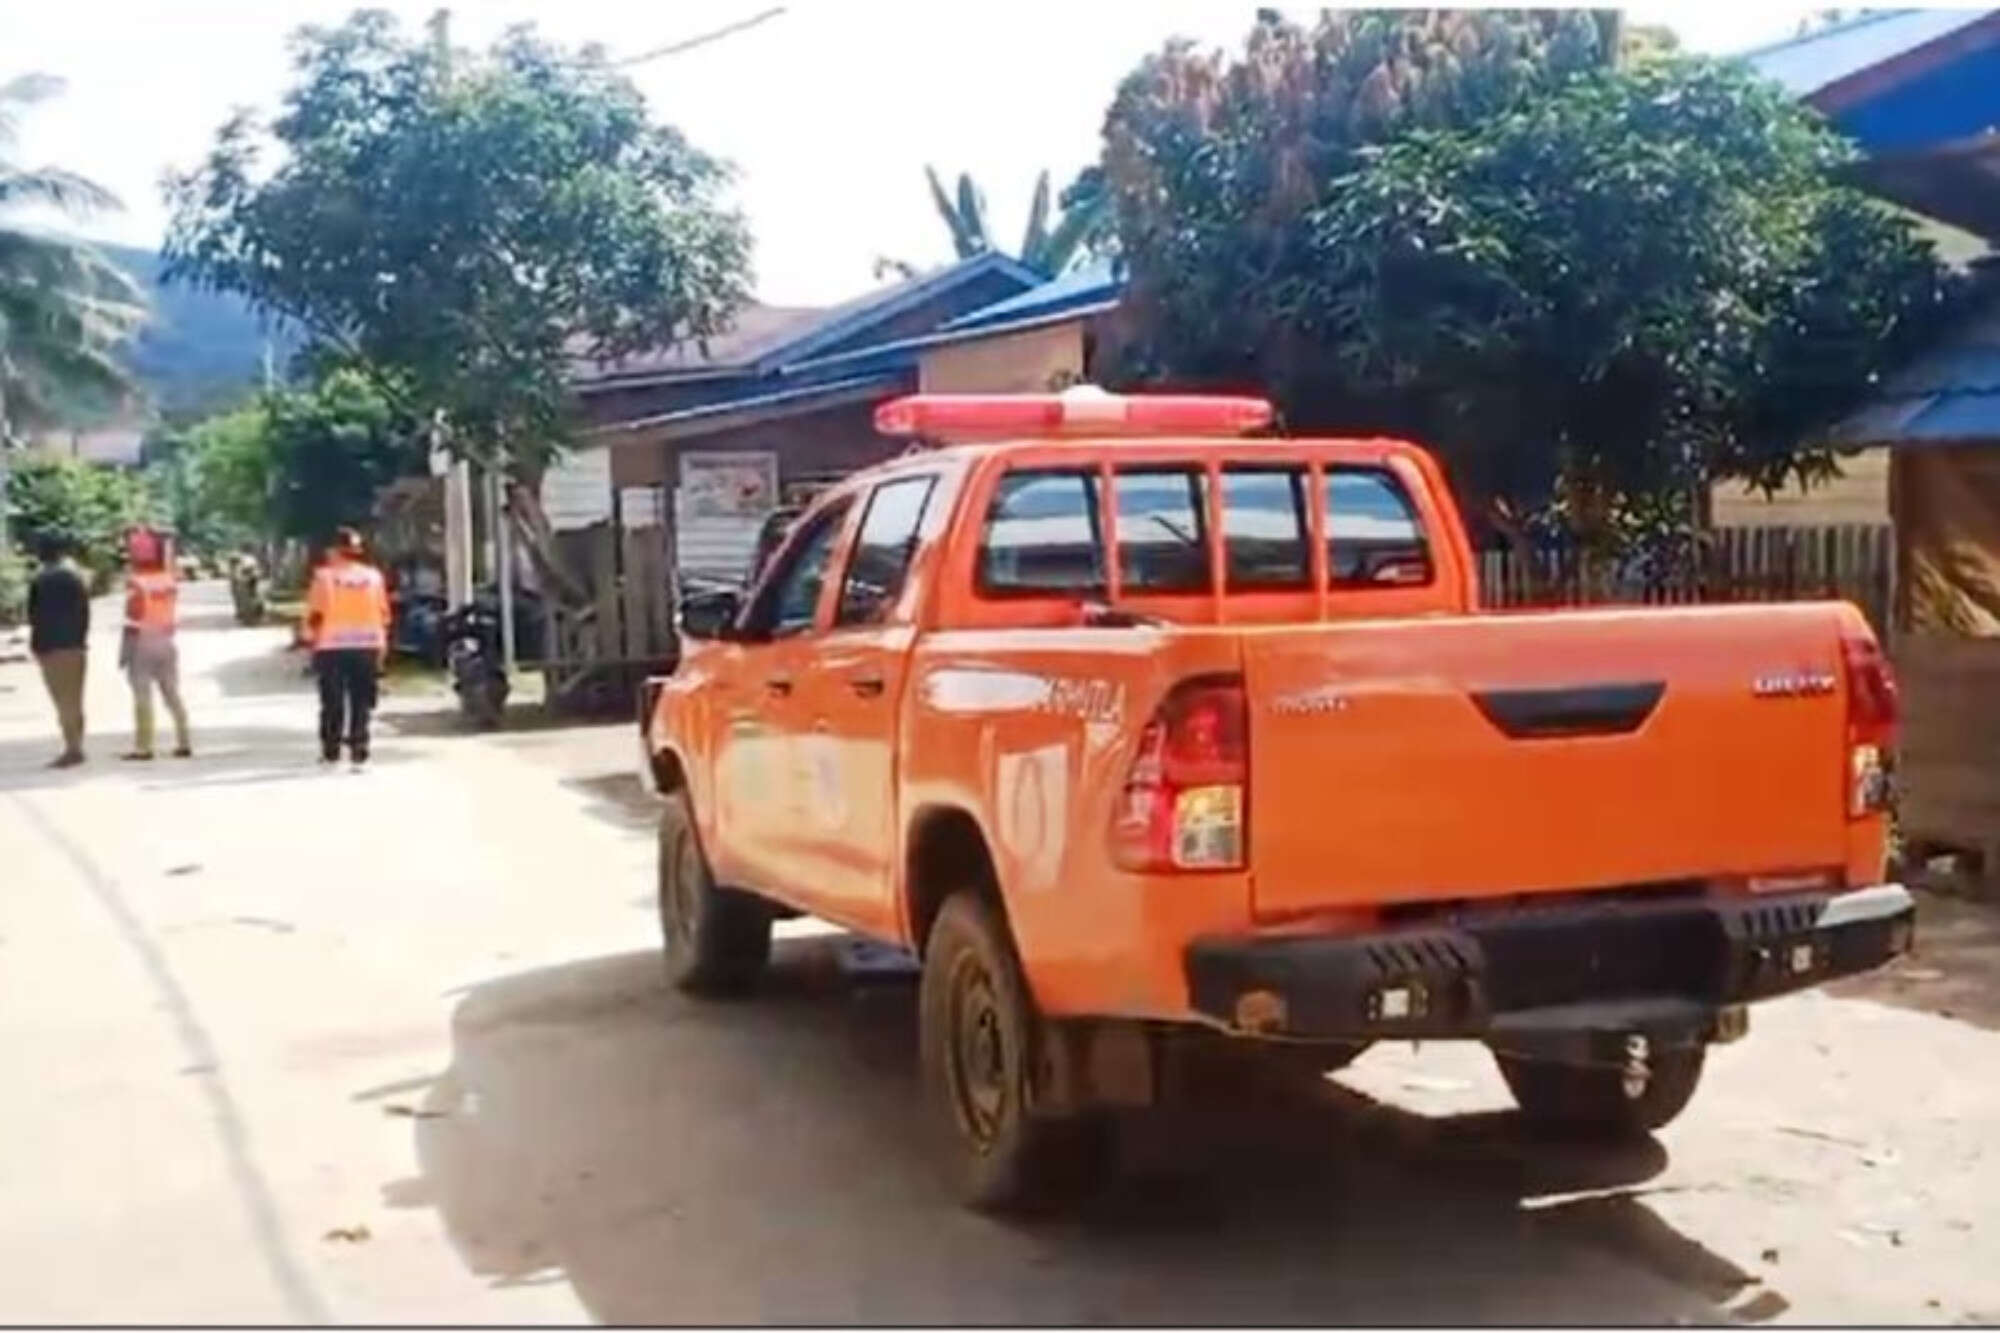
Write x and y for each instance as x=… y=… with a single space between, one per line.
x=472 y=653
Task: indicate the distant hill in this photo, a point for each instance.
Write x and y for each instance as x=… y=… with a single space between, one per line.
x=201 y=348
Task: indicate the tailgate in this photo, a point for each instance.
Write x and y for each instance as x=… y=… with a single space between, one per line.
x=1485 y=755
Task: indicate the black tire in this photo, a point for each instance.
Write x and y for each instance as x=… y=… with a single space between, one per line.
x=978 y=1033
x=717 y=940
x=1593 y=1100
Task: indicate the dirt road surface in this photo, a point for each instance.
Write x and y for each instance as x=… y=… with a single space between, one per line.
x=291 y=1045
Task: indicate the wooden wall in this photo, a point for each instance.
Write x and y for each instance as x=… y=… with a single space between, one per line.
x=1024 y=362
x=1859 y=495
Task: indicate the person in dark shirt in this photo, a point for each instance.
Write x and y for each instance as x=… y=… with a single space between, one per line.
x=59 y=637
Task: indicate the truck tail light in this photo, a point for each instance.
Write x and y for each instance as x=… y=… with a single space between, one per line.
x=1185 y=801
x=1871 y=723
x=1084 y=410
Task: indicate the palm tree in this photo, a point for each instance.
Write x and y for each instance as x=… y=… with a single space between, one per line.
x=1046 y=250
x=64 y=308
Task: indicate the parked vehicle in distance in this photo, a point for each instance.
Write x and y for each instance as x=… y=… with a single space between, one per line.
x=473 y=655
x=1141 y=733
x=246 y=590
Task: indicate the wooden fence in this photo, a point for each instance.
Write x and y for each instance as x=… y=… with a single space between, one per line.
x=1855 y=562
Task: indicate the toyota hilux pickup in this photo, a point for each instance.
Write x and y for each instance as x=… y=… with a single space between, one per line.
x=1139 y=729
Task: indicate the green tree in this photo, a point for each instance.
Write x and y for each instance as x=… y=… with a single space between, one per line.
x=213 y=478
x=1048 y=250
x=64 y=310
x=461 y=228
x=1591 y=288
x=88 y=505
x=329 y=450
x=293 y=463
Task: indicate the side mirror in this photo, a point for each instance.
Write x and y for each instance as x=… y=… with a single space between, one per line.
x=710 y=615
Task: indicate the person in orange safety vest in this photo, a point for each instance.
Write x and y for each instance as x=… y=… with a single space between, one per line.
x=147 y=651
x=347 y=628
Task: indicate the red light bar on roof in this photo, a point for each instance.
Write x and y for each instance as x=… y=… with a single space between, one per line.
x=1082 y=411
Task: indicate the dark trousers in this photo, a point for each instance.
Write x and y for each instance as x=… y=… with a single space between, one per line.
x=346 y=698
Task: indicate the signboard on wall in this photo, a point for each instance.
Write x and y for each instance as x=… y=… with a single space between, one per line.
x=719 y=505
x=576 y=490
x=728 y=485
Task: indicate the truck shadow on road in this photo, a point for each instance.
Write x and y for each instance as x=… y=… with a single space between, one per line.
x=764 y=1161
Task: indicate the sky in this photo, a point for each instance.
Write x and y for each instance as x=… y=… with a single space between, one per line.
x=829 y=112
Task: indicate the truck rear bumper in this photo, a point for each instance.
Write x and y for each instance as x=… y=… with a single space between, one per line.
x=1674 y=966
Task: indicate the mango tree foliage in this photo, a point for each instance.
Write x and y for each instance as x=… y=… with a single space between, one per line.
x=463 y=227
x=1591 y=287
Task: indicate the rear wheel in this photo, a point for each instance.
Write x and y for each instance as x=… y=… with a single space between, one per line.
x=1603 y=1100
x=978 y=1031
x=717 y=940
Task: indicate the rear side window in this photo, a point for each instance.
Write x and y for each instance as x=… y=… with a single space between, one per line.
x=1162 y=530
x=1042 y=535
x=882 y=551
x=1264 y=527
x=1373 y=536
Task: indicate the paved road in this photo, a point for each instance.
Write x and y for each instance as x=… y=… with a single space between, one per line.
x=296 y=1046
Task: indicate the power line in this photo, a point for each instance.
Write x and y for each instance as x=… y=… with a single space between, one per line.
x=704 y=39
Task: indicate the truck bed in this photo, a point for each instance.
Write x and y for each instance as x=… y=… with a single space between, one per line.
x=1467 y=757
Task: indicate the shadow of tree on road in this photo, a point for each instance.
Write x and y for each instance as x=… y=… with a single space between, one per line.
x=763 y=1161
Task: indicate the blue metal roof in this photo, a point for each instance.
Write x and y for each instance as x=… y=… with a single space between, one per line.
x=1951 y=395
x=756 y=396
x=1805 y=65
x=1091 y=284
x=880 y=306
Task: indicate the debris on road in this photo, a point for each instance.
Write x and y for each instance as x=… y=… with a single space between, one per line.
x=413 y=1112
x=188 y=869
x=1821 y=1135
x=348 y=1235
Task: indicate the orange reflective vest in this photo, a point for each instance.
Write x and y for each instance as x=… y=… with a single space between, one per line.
x=348 y=607
x=149 y=602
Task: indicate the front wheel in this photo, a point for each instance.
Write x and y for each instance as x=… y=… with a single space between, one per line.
x=978 y=1031
x=1604 y=1100
x=717 y=940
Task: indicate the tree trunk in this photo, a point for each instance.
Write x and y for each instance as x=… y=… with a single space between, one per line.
x=538 y=537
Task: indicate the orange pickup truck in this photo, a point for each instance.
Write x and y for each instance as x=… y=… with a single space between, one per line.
x=1138 y=731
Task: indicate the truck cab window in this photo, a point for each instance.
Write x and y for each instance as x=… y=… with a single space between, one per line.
x=1373 y=536
x=1162 y=529
x=789 y=599
x=1264 y=527
x=882 y=551
x=1042 y=535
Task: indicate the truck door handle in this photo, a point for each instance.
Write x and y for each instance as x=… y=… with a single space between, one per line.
x=867 y=686
x=779 y=685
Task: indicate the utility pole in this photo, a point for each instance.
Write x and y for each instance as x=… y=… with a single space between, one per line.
x=458 y=562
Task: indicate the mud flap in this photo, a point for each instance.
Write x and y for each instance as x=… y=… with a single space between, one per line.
x=1088 y=1064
